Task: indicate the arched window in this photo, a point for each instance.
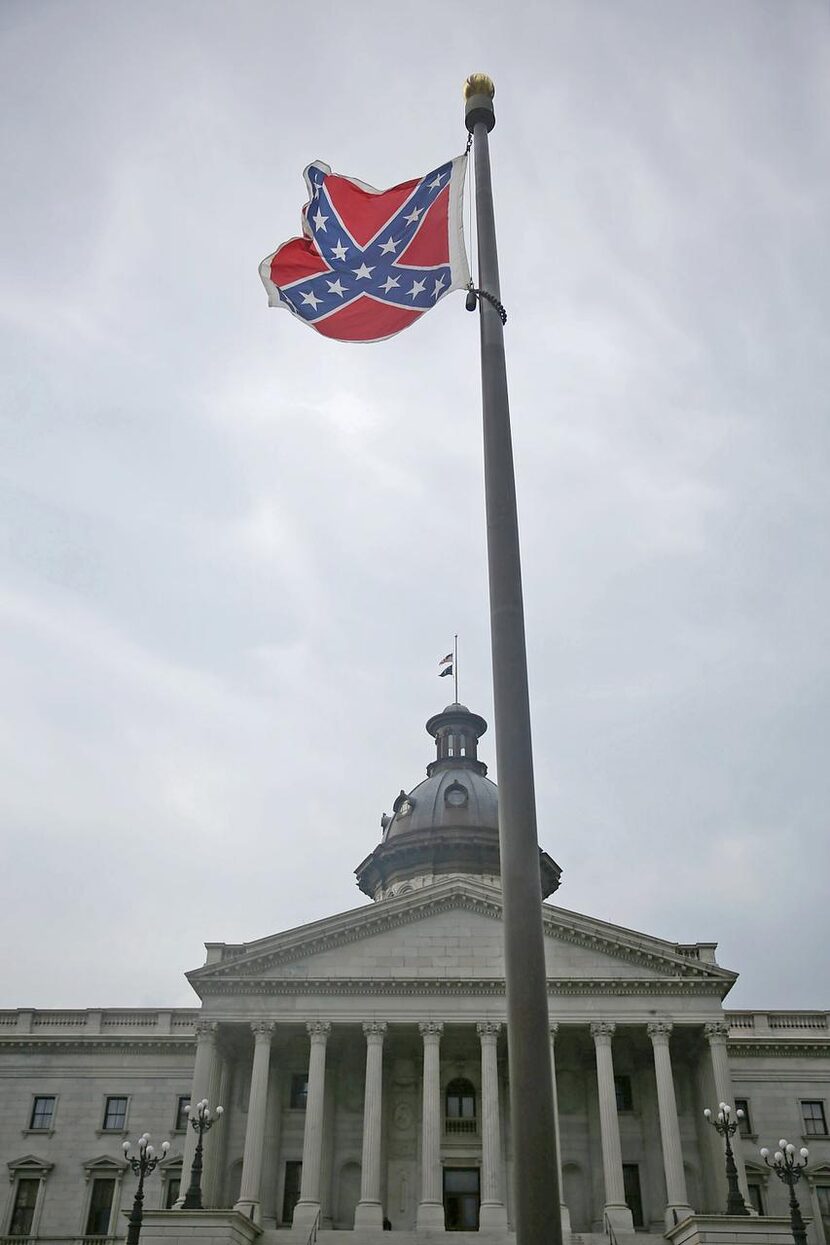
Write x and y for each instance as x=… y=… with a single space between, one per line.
x=460 y=1106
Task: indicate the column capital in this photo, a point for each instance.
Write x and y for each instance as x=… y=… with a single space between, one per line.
x=206 y=1030
x=431 y=1030
x=375 y=1030
x=717 y=1032
x=488 y=1030
x=318 y=1031
x=602 y=1032
x=263 y=1030
x=659 y=1031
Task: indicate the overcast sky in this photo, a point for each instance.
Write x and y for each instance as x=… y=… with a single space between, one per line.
x=232 y=551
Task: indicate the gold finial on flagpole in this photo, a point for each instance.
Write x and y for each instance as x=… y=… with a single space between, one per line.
x=478 y=101
x=479 y=84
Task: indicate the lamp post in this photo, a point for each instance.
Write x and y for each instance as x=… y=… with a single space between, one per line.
x=142 y=1164
x=727 y=1125
x=202 y=1119
x=787 y=1168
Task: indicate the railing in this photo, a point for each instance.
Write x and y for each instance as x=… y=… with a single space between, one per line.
x=312 y=1236
x=609 y=1231
x=134 y=1021
x=62 y=1240
x=454 y=1125
x=776 y=1022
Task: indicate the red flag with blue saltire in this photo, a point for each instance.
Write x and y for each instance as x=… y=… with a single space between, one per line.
x=371 y=262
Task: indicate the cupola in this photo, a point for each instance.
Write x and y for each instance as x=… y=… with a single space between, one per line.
x=447 y=824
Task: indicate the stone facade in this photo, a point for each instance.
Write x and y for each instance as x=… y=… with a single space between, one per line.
x=361 y=1061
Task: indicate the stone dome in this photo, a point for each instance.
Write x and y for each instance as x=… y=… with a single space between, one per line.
x=447 y=824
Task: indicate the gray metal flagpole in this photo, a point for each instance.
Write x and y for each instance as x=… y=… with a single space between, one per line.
x=536 y=1206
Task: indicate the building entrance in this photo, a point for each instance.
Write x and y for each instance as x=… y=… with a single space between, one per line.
x=461 y=1199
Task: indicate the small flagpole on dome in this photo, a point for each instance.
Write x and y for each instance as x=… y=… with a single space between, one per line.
x=455 y=665
x=536 y=1202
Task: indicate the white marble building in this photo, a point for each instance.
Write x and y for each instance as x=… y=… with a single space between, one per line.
x=361 y=1061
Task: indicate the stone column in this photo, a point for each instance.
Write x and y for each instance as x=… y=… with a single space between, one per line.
x=206 y=1055
x=369 y=1211
x=431 y=1205
x=717 y=1034
x=566 y=1215
x=493 y=1213
x=249 y=1203
x=216 y=1096
x=616 y=1211
x=677 y=1203
x=308 y=1207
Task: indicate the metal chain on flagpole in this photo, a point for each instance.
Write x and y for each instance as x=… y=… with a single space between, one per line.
x=473 y=292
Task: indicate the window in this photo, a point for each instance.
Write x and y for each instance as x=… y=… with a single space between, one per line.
x=100 y=1207
x=756 y=1196
x=815 y=1124
x=744 y=1125
x=23 y=1210
x=460 y=1107
x=299 y=1091
x=115 y=1114
x=622 y=1088
x=174 y=1184
x=823 y=1198
x=182 y=1102
x=43 y=1112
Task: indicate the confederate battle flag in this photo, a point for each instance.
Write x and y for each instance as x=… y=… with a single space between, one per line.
x=371 y=262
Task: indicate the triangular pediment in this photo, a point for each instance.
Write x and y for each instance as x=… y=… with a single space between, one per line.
x=449 y=931
x=105 y=1162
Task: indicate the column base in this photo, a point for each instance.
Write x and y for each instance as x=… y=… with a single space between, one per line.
x=305 y=1214
x=566 y=1220
x=368 y=1215
x=430 y=1217
x=619 y=1216
x=676 y=1212
x=492 y=1217
x=250 y=1209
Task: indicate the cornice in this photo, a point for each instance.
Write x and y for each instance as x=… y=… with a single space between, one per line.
x=816 y=1048
x=81 y=1044
x=467 y=986
x=393 y=914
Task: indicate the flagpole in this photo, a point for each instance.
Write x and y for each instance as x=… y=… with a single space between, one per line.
x=455 y=664
x=535 y=1168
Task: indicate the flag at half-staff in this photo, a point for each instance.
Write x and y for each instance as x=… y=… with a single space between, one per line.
x=371 y=262
x=445 y=666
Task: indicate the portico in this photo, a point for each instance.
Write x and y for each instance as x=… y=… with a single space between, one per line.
x=352 y=1123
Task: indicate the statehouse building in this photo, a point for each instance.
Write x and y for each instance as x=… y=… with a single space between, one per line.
x=361 y=1061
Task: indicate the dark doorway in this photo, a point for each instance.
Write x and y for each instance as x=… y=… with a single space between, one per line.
x=633 y=1196
x=291 y=1192
x=461 y=1199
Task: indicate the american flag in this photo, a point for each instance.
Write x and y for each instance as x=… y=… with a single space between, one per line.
x=371 y=262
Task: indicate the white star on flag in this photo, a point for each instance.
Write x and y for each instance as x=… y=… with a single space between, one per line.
x=386 y=247
x=320 y=221
x=412 y=218
x=439 y=285
x=390 y=283
x=310 y=299
x=364 y=271
x=335 y=287
x=436 y=182
x=340 y=251
x=417 y=288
